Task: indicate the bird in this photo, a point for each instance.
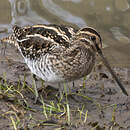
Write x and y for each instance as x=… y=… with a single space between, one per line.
x=59 y=53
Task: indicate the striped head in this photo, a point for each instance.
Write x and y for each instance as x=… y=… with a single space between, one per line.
x=90 y=38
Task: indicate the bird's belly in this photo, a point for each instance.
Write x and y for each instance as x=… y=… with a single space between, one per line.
x=57 y=72
x=44 y=72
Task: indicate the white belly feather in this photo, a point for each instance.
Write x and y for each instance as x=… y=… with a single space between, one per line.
x=43 y=70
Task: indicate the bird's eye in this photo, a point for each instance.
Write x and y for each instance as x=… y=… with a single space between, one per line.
x=93 y=38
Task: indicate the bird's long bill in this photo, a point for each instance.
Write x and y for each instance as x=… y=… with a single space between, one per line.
x=111 y=71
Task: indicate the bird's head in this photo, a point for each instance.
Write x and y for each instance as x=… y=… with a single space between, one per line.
x=90 y=38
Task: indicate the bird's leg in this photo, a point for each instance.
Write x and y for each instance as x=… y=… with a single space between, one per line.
x=73 y=84
x=60 y=90
x=73 y=88
x=35 y=87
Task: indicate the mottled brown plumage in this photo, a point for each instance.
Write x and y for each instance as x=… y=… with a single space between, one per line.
x=58 y=53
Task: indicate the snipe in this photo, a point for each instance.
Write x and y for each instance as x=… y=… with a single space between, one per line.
x=58 y=53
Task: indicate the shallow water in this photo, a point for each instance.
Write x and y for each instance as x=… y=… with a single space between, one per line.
x=111 y=18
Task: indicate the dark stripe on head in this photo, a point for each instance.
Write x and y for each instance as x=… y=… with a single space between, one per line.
x=91 y=30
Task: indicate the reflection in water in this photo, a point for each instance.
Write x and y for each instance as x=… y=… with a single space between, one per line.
x=119 y=36
x=110 y=18
x=121 y=5
x=62 y=14
x=75 y=1
x=22 y=14
x=21 y=7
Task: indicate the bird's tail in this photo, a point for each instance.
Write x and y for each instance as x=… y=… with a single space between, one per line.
x=10 y=39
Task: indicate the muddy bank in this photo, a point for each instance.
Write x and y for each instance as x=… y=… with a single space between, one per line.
x=106 y=106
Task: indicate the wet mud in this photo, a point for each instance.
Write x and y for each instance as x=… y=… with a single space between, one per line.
x=98 y=94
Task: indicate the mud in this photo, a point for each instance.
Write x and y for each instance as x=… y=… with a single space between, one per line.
x=109 y=107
